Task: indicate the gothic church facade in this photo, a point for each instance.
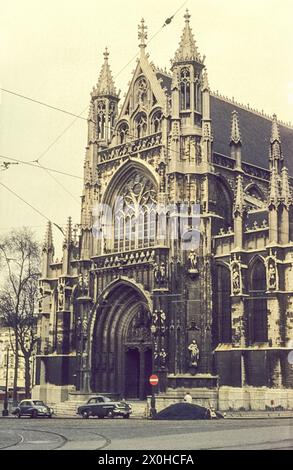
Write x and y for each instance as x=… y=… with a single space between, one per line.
x=210 y=309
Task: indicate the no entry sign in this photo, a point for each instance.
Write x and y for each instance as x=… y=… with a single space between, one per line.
x=154 y=380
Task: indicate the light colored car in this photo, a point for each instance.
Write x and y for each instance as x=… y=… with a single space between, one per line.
x=32 y=408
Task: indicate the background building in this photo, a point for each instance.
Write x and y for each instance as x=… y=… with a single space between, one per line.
x=6 y=338
x=209 y=308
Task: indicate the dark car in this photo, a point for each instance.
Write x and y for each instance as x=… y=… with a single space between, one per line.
x=102 y=407
x=32 y=408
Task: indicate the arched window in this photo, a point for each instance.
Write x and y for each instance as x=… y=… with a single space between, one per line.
x=135 y=220
x=141 y=125
x=101 y=124
x=156 y=122
x=123 y=131
x=184 y=89
x=223 y=304
x=197 y=96
x=222 y=205
x=258 y=303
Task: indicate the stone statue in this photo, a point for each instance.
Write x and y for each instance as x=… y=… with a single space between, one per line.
x=192 y=261
x=160 y=273
x=194 y=353
x=272 y=275
x=236 y=279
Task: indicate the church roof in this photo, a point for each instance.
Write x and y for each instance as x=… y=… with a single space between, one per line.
x=255 y=134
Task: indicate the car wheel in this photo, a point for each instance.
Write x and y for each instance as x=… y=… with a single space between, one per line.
x=34 y=414
x=126 y=416
x=110 y=414
x=17 y=414
x=85 y=414
x=50 y=416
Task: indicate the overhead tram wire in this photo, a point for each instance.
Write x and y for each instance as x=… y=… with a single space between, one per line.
x=32 y=207
x=79 y=116
x=30 y=163
x=59 y=183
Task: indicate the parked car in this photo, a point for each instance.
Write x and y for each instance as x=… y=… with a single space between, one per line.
x=102 y=407
x=32 y=408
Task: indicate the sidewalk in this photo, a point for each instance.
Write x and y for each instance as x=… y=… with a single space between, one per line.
x=257 y=414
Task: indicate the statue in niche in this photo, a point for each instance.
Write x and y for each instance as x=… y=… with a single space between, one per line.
x=61 y=295
x=236 y=281
x=160 y=273
x=194 y=353
x=192 y=262
x=272 y=274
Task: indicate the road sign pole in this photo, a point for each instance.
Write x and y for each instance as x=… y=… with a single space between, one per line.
x=153 y=403
x=154 y=379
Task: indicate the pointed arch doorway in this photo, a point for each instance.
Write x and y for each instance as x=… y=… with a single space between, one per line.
x=121 y=351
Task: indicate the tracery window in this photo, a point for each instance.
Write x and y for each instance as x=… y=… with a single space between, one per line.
x=258 y=303
x=141 y=88
x=135 y=215
x=156 y=122
x=197 y=96
x=223 y=304
x=141 y=125
x=185 y=89
x=123 y=130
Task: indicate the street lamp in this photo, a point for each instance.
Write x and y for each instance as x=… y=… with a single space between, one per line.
x=5 y=411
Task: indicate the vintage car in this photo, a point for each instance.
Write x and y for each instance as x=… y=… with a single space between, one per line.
x=102 y=407
x=32 y=408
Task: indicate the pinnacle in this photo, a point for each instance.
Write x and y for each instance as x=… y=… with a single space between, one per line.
x=187 y=47
x=105 y=85
x=48 y=242
x=275 y=134
x=235 y=130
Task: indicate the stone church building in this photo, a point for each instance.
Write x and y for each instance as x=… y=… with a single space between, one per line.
x=182 y=264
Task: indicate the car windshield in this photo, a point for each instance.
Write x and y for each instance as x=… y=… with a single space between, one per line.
x=38 y=403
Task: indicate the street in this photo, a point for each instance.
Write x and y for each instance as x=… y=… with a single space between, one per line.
x=119 y=434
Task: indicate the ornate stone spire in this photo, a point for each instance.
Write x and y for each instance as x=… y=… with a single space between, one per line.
x=235 y=130
x=275 y=134
x=68 y=235
x=105 y=85
x=142 y=35
x=276 y=158
x=285 y=187
x=187 y=49
x=48 y=242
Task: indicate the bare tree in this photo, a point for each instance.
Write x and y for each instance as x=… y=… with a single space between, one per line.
x=20 y=261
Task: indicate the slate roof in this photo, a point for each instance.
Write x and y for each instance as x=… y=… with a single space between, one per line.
x=255 y=131
x=255 y=134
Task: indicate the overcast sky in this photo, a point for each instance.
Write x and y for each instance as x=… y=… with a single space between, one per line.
x=52 y=51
